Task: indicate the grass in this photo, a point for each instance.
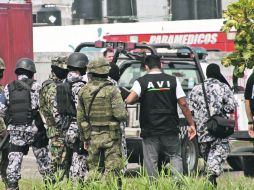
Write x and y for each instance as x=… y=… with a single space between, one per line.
x=142 y=182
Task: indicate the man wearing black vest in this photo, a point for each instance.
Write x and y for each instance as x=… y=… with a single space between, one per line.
x=159 y=94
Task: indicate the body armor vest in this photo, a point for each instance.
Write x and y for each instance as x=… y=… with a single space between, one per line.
x=101 y=113
x=158 y=104
x=20 y=109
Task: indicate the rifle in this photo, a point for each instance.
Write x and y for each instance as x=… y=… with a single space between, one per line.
x=40 y=139
x=4 y=141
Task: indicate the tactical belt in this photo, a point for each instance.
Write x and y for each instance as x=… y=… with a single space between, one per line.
x=102 y=119
x=100 y=128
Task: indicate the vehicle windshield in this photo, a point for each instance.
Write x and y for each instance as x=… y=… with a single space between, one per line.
x=186 y=73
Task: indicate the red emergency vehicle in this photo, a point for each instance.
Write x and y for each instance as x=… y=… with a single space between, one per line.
x=201 y=33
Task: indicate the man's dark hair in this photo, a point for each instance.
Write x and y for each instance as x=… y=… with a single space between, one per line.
x=110 y=50
x=153 y=61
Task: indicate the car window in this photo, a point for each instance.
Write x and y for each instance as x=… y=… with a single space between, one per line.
x=130 y=74
x=185 y=72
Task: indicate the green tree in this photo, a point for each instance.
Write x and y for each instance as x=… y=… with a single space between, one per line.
x=240 y=16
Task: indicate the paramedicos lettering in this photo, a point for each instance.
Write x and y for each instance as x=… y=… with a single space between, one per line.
x=188 y=39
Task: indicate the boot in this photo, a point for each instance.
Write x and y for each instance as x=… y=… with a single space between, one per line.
x=119 y=183
x=13 y=186
x=4 y=179
x=212 y=179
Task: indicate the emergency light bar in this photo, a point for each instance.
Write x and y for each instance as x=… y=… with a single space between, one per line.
x=121 y=45
x=99 y=44
x=180 y=50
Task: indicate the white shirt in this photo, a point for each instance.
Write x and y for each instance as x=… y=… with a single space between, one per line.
x=179 y=90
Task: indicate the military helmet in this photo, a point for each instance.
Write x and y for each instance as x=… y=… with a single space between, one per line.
x=60 y=62
x=98 y=66
x=26 y=64
x=77 y=60
x=2 y=65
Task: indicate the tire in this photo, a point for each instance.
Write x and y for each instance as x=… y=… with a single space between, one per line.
x=246 y=162
x=235 y=162
x=190 y=155
x=248 y=166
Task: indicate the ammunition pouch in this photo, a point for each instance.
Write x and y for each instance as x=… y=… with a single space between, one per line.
x=115 y=130
x=15 y=148
x=86 y=130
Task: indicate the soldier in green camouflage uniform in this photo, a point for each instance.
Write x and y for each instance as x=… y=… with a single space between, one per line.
x=3 y=133
x=47 y=97
x=103 y=137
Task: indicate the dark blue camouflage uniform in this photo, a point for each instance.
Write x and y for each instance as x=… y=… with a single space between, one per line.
x=22 y=135
x=220 y=99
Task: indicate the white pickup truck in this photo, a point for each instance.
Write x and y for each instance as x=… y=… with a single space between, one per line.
x=189 y=71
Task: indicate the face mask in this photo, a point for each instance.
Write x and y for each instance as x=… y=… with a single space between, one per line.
x=60 y=73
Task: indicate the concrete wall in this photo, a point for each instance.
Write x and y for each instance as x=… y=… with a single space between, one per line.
x=147 y=10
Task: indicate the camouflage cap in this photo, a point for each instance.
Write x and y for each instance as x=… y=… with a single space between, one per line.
x=60 y=61
x=2 y=65
x=98 y=65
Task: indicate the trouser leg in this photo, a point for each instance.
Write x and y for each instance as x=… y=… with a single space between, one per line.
x=171 y=147
x=67 y=161
x=217 y=155
x=78 y=169
x=14 y=169
x=150 y=152
x=43 y=160
x=58 y=153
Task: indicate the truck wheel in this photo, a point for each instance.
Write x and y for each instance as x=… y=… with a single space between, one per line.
x=190 y=154
x=248 y=166
x=235 y=162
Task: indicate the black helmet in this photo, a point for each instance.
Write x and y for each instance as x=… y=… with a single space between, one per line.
x=77 y=60
x=26 y=64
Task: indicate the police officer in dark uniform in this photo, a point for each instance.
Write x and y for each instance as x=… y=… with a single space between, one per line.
x=159 y=94
x=20 y=103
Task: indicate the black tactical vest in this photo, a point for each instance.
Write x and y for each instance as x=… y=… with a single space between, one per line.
x=65 y=100
x=158 y=105
x=20 y=109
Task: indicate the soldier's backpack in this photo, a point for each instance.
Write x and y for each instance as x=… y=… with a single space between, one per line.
x=65 y=103
x=64 y=99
